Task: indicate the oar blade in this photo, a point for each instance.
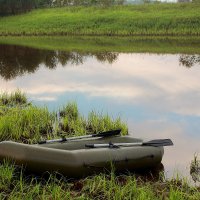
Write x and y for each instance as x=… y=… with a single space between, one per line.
x=159 y=143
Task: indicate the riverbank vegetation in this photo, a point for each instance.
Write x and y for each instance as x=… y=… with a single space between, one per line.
x=147 y=19
x=21 y=121
x=92 y=45
x=195 y=169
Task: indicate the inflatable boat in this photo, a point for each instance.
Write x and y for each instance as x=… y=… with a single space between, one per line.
x=85 y=156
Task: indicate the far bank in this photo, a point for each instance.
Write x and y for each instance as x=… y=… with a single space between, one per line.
x=148 y=19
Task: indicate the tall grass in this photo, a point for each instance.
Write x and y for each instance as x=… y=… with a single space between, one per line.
x=195 y=169
x=26 y=124
x=13 y=99
x=20 y=120
x=73 y=123
x=147 y=19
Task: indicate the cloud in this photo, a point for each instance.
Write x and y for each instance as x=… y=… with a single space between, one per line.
x=44 y=98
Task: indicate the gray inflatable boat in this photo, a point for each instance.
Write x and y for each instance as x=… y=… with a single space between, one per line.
x=82 y=157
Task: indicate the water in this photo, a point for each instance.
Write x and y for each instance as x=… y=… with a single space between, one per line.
x=158 y=95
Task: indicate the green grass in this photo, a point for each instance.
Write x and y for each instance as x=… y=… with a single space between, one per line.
x=195 y=169
x=72 y=122
x=13 y=99
x=147 y=19
x=14 y=184
x=20 y=120
x=27 y=123
x=95 y=45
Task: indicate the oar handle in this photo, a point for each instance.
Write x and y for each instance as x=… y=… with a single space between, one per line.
x=107 y=133
x=109 y=145
x=51 y=141
x=101 y=134
x=154 y=143
x=89 y=145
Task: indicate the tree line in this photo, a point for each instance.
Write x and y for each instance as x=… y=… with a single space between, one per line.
x=12 y=7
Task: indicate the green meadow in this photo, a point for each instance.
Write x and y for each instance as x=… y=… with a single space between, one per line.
x=21 y=121
x=147 y=19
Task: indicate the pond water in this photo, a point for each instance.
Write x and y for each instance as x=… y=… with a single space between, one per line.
x=158 y=95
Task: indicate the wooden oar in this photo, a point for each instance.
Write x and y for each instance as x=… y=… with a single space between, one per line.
x=101 y=134
x=155 y=143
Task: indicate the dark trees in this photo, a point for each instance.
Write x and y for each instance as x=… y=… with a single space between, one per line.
x=12 y=7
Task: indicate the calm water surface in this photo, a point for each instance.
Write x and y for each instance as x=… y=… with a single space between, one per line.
x=158 y=95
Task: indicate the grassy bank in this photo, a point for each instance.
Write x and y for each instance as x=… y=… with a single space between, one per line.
x=21 y=121
x=15 y=185
x=147 y=19
x=183 y=45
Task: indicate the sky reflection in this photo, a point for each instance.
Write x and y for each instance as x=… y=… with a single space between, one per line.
x=153 y=93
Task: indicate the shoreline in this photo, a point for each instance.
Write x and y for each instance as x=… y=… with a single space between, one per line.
x=96 y=35
x=171 y=45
